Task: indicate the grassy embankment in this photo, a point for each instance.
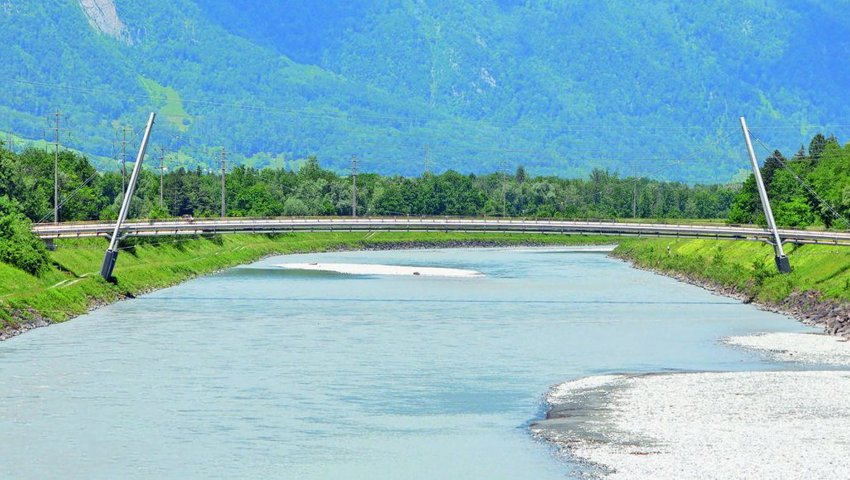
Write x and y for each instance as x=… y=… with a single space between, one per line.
x=73 y=284
x=747 y=267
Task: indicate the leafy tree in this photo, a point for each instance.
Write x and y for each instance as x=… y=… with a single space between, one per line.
x=19 y=247
x=794 y=213
x=390 y=201
x=747 y=204
x=155 y=212
x=294 y=207
x=831 y=179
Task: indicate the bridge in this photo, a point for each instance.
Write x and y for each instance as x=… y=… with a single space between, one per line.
x=433 y=224
x=122 y=228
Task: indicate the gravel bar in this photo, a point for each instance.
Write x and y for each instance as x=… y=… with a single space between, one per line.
x=778 y=425
x=798 y=347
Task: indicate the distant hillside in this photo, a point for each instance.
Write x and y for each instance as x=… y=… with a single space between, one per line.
x=560 y=87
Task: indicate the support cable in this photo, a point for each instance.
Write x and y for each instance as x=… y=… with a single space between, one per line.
x=67 y=198
x=805 y=185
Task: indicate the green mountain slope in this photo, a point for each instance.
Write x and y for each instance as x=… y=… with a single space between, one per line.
x=561 y=86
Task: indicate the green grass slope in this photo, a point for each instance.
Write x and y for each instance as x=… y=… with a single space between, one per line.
x=747 y=267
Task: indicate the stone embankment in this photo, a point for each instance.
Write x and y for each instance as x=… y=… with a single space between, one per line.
x=811 y=308
x=13 y=330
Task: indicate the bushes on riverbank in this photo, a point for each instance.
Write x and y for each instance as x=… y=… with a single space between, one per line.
x=18 y=246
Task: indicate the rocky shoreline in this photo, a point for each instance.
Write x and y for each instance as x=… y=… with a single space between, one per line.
x=13 y=331
x=809 y=307
x=33 y=319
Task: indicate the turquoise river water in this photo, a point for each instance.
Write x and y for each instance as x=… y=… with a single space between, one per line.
x=259 y=372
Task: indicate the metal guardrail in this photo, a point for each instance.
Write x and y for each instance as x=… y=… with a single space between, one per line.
x=442 y=224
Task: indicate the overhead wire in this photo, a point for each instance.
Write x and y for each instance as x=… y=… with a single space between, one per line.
x=479 y=136
x=345 y=115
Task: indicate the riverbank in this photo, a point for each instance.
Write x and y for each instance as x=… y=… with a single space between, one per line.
x=73 y=286
x=781 y=424
x=817 y=292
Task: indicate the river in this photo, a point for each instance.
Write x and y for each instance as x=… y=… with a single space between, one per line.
x=260 y=372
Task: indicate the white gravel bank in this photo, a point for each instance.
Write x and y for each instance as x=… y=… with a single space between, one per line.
x=799 y=347
x=374 y=269
x=778 y=425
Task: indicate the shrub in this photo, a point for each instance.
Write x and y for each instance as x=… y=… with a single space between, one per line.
x=294 y=207
x=19 y=247
x=761 y=272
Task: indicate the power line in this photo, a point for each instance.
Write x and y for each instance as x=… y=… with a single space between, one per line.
x=490 y=125
x=161 y=174
x=56 y=172
x=124 y=130
x=347 y=115
x=73 y=194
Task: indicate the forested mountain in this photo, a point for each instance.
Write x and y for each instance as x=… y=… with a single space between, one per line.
x=561 y=87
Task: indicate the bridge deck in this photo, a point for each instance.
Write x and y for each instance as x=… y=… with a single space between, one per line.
x=441 y=224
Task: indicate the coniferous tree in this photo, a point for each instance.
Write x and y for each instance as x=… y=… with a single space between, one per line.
x=817 y=146
x=773 y=163
x=800 y=155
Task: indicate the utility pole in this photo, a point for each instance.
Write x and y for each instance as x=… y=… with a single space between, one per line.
x=56 y=172
x=161 y=173
x=782 y=263
x=427 y=159
x=223 y=191
x=504 y=205
x=634 y=201
x=124 y=159
x=354 y=186
x=504 y=176
x=635 y=180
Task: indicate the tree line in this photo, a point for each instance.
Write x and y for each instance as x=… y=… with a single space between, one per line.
x=26 y=178
x=810 y=188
